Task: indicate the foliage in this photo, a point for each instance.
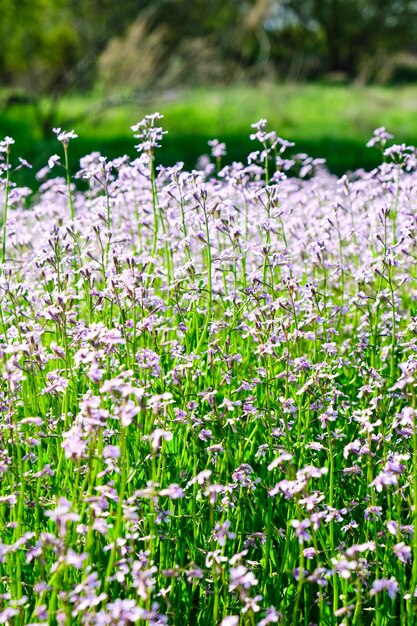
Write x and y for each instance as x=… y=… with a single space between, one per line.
x=53 y=45
x=41 y=43
x=357 y=36
x=53 y=42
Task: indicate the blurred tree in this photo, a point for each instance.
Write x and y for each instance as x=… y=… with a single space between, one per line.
x=354 y=37
x=175 y=42
x=39 y=43
x=51 y=45
x=229 y=39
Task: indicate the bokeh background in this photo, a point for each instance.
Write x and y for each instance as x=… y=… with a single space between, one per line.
x=325 y=73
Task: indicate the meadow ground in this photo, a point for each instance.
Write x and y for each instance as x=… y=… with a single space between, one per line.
x=329 y=121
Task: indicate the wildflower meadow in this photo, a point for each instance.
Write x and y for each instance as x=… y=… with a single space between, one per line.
x=208 y=389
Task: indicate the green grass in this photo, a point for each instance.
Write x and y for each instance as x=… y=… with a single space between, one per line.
x=330 y=121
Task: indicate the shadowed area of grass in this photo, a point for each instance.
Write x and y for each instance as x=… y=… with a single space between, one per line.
x=329 y=121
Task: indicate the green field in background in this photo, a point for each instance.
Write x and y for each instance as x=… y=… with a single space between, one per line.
x=330 y=121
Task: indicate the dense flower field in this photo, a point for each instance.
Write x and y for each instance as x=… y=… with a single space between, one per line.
x=208 y=401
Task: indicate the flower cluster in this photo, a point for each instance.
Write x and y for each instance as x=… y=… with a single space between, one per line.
x=207 y=390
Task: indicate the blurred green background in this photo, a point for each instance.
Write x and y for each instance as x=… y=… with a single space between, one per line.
x=324 y=73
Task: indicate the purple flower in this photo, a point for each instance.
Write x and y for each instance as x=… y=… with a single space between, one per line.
x=241 y=577
x=205 y=435
x=301 y=529
x=380 y=137
x=403 y=552
x=157 y=436
x=230 y=620
x=390 y=585
x=64 y=136
x=62 y=514
x=111 y=452
x=221 y=533
x=272 y=616
x=174 y=492
x=149 y=134
x=53 y=160
x=217 y=149
x=149 y=360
